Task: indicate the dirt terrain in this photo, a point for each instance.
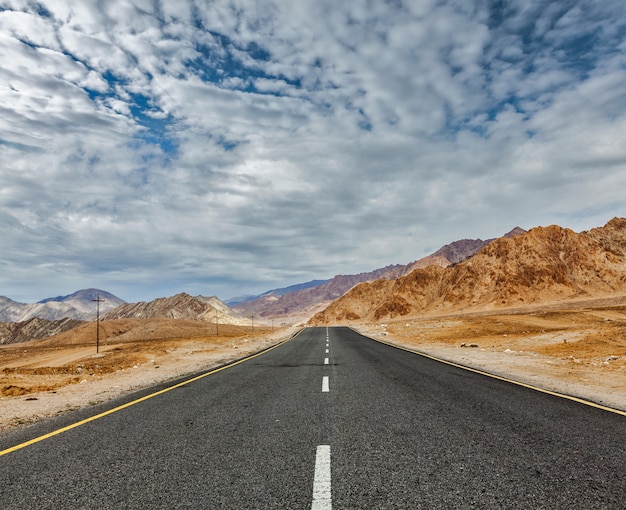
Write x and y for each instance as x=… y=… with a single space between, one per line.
x=42 y=378
x=578 y=348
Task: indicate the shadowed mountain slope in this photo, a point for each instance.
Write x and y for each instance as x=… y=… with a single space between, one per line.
x=34 y=329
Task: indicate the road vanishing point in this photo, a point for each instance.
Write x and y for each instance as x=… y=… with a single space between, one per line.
x=327 y=420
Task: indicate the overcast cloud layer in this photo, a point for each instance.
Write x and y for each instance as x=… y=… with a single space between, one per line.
x=230 y=147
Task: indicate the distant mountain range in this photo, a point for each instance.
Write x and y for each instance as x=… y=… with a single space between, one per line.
x=545 y=264
x=275 y=292
x=293 y=303
x=520 y=267
x=78 y=306
x=21 y=322
x=302 y=301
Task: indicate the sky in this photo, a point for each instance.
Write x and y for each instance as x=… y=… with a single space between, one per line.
x=229 y=147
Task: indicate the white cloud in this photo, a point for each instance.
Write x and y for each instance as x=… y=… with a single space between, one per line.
x=232 y=146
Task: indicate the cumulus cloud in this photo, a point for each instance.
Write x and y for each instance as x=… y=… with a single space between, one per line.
x=228 y=147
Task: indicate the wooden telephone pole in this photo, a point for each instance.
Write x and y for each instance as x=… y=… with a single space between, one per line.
x=98 y=301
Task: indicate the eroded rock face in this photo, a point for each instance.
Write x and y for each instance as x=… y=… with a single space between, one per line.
x=612 y=237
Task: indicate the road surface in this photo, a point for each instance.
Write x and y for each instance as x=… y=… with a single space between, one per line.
x=329 y=419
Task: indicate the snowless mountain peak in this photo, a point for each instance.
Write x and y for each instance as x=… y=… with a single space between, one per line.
x=78 y=305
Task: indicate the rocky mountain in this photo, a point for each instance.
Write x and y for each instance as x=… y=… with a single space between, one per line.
x=304 y=302
x=275 y=292
x=34 y=329
x=78 y=305
x=612 y=237
x=180 y=306
x=542 y=265
x=456 y=252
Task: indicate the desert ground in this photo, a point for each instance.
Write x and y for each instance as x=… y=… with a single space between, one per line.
x=575 y=348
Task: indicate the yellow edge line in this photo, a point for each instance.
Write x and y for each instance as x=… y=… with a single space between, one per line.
x=146 y=397
x=501 y=378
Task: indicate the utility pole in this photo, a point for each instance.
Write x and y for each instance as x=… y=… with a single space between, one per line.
x=98 y=301
x=217 y=324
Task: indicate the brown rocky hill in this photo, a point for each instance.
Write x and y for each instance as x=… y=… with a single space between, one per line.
x=180 y=306
x=545 y=264
x=306 y=302
x=133 y=330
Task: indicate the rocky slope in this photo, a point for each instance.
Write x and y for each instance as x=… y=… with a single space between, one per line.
x=180 y=306
x=34 y=329
x=544 y=264
x=612 y=237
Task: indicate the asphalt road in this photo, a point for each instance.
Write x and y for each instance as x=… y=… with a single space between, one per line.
x=376 y=427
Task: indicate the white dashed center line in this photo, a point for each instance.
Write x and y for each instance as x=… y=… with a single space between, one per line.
x=325 y=361
x=325 y=384
x=322 y=495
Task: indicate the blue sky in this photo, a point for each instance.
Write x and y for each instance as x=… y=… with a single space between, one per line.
x=229 y=147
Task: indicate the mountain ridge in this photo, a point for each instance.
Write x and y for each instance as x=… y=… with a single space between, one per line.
x=544 y=264
x=304 y=303
x=78 y=306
